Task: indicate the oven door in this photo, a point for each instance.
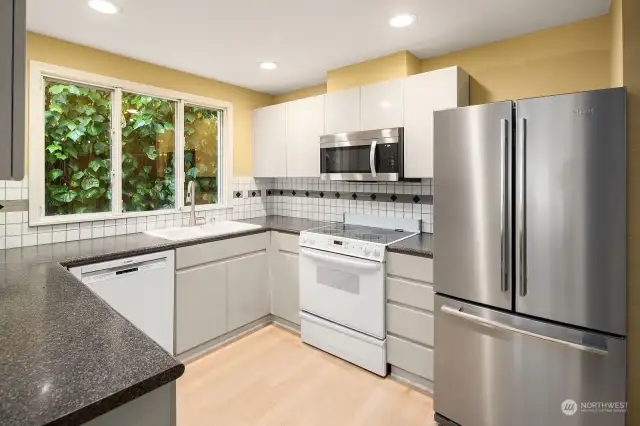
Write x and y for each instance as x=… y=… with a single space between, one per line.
x=364 y=160
x=343 y=289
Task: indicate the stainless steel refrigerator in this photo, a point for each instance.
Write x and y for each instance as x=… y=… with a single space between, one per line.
x=530 y=262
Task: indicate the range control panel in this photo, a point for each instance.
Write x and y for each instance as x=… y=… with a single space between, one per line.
x=347 y=246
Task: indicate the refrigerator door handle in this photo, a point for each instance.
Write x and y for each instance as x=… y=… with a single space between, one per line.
x=500 y=326
x=504 y=141
x=521 y=235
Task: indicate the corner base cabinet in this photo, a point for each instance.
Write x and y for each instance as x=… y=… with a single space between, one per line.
x=285 y=289
x=220 y=286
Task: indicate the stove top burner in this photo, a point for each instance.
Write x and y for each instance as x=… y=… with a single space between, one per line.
x=363 y=233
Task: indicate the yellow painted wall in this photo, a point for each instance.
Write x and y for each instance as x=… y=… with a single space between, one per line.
x=70 y=55
x=573 y=57
x=306 y=92
x=396 y=65
x=413 y=64
x=631 y=79
x=616 y=43
x=562 y=59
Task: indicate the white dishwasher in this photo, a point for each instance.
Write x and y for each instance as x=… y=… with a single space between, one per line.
x=140 y=288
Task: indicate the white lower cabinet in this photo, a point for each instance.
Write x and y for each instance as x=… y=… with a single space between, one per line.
x=220 y=286
x=224 y=285
x=284 y=277
x=201 y=305
x=410 y=319
x=248 y=293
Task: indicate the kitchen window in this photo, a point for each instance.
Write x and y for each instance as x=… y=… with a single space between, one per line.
x=103 y=148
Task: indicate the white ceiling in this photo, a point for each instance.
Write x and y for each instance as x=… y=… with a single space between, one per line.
x=227 y=39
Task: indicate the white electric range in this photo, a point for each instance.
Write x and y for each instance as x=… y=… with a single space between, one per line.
x=342 y=287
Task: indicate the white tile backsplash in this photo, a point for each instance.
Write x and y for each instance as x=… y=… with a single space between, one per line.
x=73 y=235
x=59 y=236
x=29 y=240
x=44 y=238
x=14 y=217
x=332 y=209
x=15 y=232
x=13 y=242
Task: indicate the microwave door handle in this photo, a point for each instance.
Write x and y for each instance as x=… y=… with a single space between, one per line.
x=372 y=159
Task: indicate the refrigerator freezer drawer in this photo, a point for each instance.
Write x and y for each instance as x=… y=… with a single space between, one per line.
x=499 y=369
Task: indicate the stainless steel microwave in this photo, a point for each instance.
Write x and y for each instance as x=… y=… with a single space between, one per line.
x=372 y=155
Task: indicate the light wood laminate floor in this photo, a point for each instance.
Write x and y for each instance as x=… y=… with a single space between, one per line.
x=271 y=378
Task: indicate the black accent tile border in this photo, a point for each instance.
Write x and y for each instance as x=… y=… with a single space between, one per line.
x=358 y=196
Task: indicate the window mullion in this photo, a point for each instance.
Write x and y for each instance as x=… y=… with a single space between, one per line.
x=179 y=155
x=116 y=153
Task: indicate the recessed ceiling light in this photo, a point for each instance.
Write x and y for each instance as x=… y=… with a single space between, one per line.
x=268 y=65
x=103 y=6
x=402 y=20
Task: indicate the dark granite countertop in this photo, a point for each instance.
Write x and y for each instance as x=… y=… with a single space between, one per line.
x=418 y=245
x=66 y=356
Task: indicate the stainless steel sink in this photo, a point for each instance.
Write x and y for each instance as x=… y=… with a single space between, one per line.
x=202 y=231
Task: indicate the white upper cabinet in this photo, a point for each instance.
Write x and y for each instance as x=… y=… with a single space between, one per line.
x=342 y=111
x=269 y=141
x=305 y=125
x=423 y=94
x=382 y=105
x=286 y=136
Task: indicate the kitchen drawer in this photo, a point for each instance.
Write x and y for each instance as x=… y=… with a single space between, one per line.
x=210 y=252
x=410 y=293
x=410 y=323
x=412 y=267
x=285 y=242
x=409 y=356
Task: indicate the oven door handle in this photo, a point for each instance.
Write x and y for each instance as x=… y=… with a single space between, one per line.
x=372 y=159
x=342 y=261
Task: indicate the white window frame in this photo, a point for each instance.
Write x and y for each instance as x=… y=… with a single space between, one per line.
x=39 y=71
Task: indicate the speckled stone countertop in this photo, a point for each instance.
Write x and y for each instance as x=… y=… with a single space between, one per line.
x=66 y=356
x=418 y=245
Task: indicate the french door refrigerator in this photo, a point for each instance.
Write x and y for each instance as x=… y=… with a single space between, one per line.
x=530 y=263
